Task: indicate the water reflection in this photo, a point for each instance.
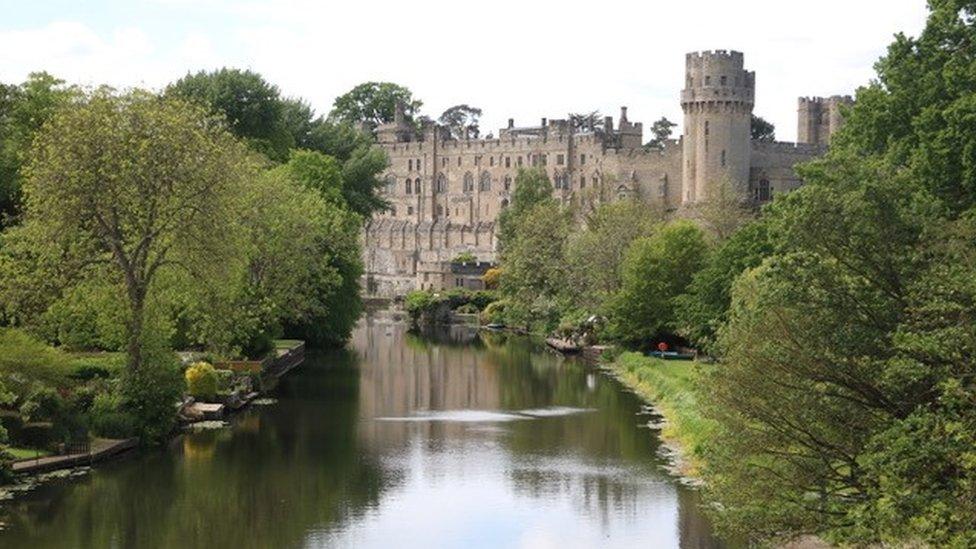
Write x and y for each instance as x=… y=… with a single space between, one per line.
x=446 y=439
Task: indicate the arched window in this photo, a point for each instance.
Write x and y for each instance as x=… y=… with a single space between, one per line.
x=508 y=182
x=416 y=185
x=390 y=183
x=763 y=191
x=408 y=186
x=440 y=210
x=485 y=183
x=441 y=183
x=468 y=182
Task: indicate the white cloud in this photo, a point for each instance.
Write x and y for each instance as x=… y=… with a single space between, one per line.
x=512 y=58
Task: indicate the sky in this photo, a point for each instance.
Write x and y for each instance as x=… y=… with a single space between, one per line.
x=521 y=59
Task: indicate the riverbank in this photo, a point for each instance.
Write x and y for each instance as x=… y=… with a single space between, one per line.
x=668 y=387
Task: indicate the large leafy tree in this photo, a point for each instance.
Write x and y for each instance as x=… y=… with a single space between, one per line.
x=762 y=130
x=661 y=131
x=845 y=396
x=253 y=107
x=655 y=271
x=461 y=121
x=144 y=186
x=532 y=187
x=373 y=103
x=23 y=110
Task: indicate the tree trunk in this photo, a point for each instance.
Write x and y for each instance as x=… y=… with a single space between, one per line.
x=136 y=313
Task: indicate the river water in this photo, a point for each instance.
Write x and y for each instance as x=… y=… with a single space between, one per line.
x=451 y=439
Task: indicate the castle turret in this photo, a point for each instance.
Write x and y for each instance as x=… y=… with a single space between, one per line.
x=818 y=118
x=717 y=101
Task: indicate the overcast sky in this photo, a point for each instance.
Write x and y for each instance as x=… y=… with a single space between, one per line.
x=523 y=59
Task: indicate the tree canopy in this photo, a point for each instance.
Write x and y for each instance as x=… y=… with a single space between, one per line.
x=374 y=103
x=762 y=130
x=462 y=121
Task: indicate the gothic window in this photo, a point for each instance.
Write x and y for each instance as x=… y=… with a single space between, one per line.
x=440 y=210
x=416 y=185
x=725 y=80
x=562 y=181
x=508 y=161
x=519 y=161
x=491 y=160
x=582 y=181
x=390 y=184
x=459 y=161
x=706 y=128
x=409 y=187
x=762 y=192
x=582 y=159
x=708 y=80
x=409 y=210
x=508 y=182
x=485 y=183
x=441 y=183
x=723 y=158
x=560 y=160
x=545 y=159
x=410 y=165
x=468 y=182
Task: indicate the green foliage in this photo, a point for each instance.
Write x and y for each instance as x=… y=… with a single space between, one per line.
x=252 y=107
x=465 y=257
x=661 y=131
x=655 y=272
x=201 y=381
x=594 y=254
x=762 y=130
x=462 y=121
x=150 y=394
x=704 y=308
x=534 y=277
x=109 y=419
x=532 y=187
x=845 y=397
x=374 y=103
x=24 y=109
x=495 y=313
x=26 y=363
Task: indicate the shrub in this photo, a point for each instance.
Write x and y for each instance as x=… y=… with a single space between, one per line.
x=465 y=257
x=467 y=309
x=150 y=394
x=495 y=312
x=39 y=434
x=491 y=278
x=108 y=418
x=201 y=381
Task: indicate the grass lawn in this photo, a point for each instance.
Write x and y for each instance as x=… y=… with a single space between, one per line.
x=669 y=385
x=26 y=453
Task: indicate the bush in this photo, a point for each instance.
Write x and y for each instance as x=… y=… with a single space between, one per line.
x=467 y=309
x=38 y=434
x=151 y=393
x=109 y=419
x=201 y=381
x=495 y=312
x=465 y=257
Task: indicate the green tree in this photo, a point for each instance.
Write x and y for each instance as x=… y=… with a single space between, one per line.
x=655 y=271
x=845 y=394
x=762 y=130
x=461 y=120
x=532 y=187
x=23 y=110
x=661 y=131
x=94 y=195
x=374 y=103
x=704 y=308
x=253 y=107
x=594 y=254
x=533 y=278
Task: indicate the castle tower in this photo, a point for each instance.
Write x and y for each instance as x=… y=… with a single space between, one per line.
x=818 y=118
x=717 y=102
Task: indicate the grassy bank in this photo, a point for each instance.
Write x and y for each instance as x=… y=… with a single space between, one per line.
x=668 y=385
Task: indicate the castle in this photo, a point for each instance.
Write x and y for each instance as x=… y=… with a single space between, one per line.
x=446 y=193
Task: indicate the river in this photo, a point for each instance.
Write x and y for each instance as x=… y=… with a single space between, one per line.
x=451 y=439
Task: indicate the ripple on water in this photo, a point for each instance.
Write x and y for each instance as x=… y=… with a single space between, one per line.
x=488 y=416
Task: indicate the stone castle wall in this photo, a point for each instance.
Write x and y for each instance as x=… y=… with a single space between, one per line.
x=446 y=194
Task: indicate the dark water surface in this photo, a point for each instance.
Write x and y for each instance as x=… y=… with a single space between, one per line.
x=447 y=440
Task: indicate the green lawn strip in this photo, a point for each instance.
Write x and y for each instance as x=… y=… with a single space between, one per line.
x=669 y=386
x=26 y=453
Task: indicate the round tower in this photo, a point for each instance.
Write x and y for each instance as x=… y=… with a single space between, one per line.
x=717 y=102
